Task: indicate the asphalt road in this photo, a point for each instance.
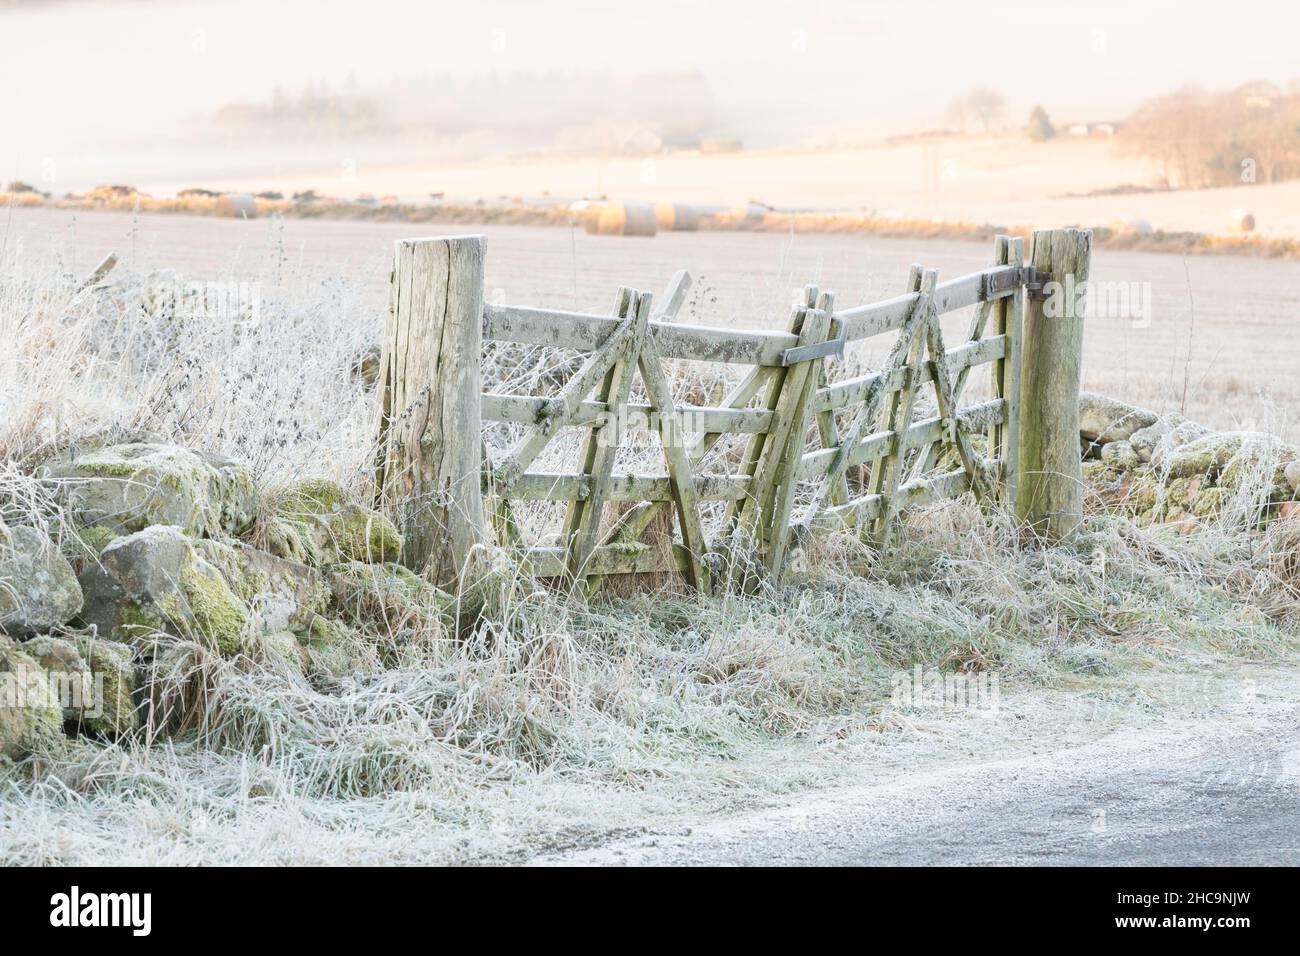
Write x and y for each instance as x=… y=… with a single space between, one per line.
x=1220 y=789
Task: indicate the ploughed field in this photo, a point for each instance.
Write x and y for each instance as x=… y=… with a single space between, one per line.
x=1217 y=335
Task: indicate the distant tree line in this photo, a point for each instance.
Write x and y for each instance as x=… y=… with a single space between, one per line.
x=527 y=107
x=1200 y=138
x=315 y=109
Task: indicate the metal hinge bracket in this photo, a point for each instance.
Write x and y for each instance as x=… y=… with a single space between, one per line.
x=1007 y=281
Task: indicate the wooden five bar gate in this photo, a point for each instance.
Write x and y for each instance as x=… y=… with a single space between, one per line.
x=819 y=448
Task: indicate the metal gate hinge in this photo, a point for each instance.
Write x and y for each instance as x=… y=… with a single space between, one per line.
x=1034 y=281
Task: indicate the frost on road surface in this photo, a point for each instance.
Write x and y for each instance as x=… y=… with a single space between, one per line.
x=1205 y=771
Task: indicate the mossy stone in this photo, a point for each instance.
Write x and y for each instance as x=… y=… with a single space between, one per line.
x=152 y=585
x=316 y=523
x=31 y=719
x=127 y=488
x=112 y=668
x=61 y=659
x=219 y=616
x=281 y=594
x=38 y=588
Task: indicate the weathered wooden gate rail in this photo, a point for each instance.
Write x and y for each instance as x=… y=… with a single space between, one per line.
x=817 y=454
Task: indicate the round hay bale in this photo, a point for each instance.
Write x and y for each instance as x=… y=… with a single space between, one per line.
x=236 y=206
x=1134 y=225
x=624 y=219
x=584 y=212
x=712 y=146
x=1241 y=220
x=748 y=214
x=676 y=217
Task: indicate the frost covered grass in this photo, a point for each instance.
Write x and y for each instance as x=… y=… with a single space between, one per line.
x=561 y=722
x=555 y=720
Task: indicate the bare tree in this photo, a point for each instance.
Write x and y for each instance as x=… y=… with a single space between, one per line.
x=986 y=104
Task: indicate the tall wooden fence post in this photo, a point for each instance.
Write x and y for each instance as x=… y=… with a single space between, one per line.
x=1049 y=491
x=430 y=451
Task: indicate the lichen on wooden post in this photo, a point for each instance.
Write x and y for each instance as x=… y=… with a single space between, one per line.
x=1049 y=491
x=429 y=419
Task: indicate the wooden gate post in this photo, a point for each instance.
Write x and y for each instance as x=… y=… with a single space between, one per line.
x=1049 y=491
x=430 y=445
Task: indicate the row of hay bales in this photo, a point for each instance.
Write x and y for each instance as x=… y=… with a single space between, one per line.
x=1239 y=221
x=646 y=219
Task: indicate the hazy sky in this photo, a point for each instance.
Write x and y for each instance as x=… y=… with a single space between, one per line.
x=77 y=74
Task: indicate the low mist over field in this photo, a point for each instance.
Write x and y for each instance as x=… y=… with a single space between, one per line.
x=264 y=92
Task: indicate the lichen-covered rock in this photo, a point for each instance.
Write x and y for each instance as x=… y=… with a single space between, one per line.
x=282 y=595
x=1180 y=493
x=316 y=523
x=153 y=584
x=60 y=658
x=132 y=588
x=1152 y=500
x=1120 y=455
x=1143 y=496
x=1195 y=474
x=1209 y=502
x=1214 y=453
x=1169 y=432
x=95 y=681
x=1292 y=475
x=1103 y=476
x=31 y=719
x=219 y=615
x=1103 y=419
x=1205 y=456
x=113 y=672
x=38 y=588
x=1258 y=468
x=130 y=487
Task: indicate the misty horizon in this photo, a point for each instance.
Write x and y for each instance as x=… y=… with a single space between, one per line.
x=89 y=85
